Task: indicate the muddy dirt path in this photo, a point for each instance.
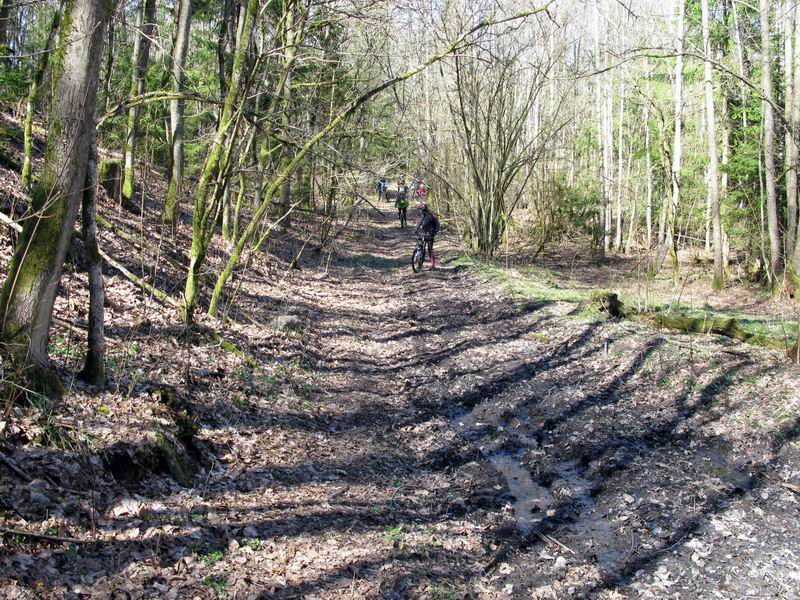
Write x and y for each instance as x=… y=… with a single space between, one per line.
x=507 y=448
x=434 y=439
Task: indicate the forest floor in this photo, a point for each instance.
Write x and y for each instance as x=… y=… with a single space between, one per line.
x=410 y=436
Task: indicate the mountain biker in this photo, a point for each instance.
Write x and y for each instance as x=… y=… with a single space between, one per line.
x=381 y=187
x=402 y=200
x=427 y=228
x=420 y=192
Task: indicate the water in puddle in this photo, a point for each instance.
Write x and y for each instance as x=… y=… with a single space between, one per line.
x=531 y=499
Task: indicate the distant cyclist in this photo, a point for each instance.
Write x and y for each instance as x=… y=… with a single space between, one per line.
x=381 y=187
x=402 y=201
x=427 y=228
x=421 y=192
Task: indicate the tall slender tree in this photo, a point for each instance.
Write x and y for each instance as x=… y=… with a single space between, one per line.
x=145 y=27
x=33 y=96
x=183 y=22
x=29 y=292
x=713 y=161
x=769 y=143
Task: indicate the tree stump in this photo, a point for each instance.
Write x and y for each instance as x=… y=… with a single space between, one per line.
x=109 y=174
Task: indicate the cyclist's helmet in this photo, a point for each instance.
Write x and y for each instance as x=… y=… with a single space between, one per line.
x=423 y=205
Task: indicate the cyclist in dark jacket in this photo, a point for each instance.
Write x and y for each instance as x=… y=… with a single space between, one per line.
x=381 y=187
x=427 y=227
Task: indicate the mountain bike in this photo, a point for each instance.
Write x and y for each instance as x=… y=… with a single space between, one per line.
x=418 y=257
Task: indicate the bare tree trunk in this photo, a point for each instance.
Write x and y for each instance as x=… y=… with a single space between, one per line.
x=109 y=68
x=93 y=371
x=608 y=149
x=290 y=53
x=713 y=166
x=30 y=289
x=795 y=119
x=790 y=145
x=739 y=47
x=671 y=220
x=176 y=111
x=33 y=95
x=648 y=163
x=145 y=22
x=225 y=43
x=5 y=21
x=726 y=147
x=600 y=107
x=769 y=143
x=620 y=165
x=632 y=225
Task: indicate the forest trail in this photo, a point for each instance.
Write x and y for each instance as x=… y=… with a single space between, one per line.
x=438 y=439
x=464 y=444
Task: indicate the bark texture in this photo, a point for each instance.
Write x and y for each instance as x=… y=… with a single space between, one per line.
x=93 y=371
x=26 y=303
x=176 y=111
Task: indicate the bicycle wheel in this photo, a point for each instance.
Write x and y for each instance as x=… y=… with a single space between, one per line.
x=417 y=258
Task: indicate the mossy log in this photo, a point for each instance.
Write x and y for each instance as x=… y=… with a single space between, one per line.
x=727 y=327
x=717 y=326
x=109 y=175
x=609 y=302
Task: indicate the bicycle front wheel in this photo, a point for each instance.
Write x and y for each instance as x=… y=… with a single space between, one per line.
x=416 y=259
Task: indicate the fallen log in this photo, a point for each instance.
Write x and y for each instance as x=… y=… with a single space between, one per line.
x=609 y=302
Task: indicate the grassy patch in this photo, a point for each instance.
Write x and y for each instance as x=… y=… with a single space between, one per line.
x=212 y=556
x=393 y=535
x=218 y=583
x=528 y=282
x=543 y=285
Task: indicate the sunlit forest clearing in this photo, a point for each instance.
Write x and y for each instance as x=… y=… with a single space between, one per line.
x=399 y=299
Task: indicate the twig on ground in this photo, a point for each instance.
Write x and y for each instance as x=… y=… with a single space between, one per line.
x=44 y=536
x=12 y=464
x=547 y=539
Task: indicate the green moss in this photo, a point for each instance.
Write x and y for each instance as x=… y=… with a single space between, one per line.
x=109 y=176
x=170 y=214
x=180 y=465
x=25 y=177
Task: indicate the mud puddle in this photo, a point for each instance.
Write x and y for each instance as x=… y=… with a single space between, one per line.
x=516 y=452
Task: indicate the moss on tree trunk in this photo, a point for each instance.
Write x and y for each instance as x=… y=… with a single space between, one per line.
x=28 y=294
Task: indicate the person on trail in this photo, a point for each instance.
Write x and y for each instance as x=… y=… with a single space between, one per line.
x=427 y=228
x=381 y=187
x=421 y=192
x=402 y=201
x=415 y=183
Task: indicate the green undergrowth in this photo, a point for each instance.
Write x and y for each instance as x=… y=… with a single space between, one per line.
x=537 y=283
x=528 y=282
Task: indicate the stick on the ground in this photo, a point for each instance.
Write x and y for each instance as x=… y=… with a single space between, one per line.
x=548 y=539
x=161 y=295
x=12 y=464
x=44 y=536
